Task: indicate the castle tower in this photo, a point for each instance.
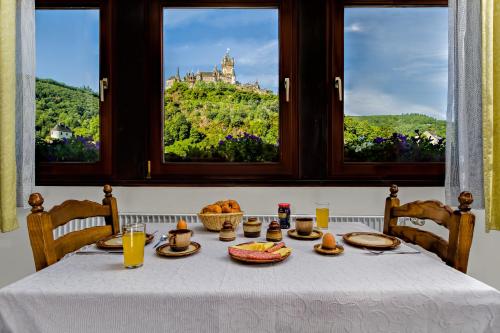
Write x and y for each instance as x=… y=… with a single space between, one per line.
x=228 y=68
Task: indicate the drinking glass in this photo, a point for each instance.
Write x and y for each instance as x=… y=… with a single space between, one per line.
x=134 y=239
x=322 y=214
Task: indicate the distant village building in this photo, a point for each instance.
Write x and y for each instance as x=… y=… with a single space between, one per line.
x=225 y=74
x=434 y=138
x=61 y=131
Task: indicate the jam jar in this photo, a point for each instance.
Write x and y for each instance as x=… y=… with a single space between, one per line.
x=284 y=215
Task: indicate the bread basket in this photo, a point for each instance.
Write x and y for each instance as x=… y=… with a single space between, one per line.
x=213 y=222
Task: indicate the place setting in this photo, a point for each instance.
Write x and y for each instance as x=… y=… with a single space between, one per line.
x=178 y=244
x=376 y=243
x=304 y=229
x=112 y=244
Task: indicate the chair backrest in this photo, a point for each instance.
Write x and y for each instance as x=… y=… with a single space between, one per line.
x=46 y=249
x=460 y=225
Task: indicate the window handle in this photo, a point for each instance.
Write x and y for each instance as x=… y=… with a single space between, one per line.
x=287 y=89
x=103 y=84
x=338 y=86
x=148 y=174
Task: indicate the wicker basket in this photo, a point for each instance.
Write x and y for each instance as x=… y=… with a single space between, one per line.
x=213 y=222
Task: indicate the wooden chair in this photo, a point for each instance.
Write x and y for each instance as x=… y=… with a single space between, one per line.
x=460 y=225
x=46 y=250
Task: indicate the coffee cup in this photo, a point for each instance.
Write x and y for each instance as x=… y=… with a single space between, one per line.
x=179 y=239
x=304 y=226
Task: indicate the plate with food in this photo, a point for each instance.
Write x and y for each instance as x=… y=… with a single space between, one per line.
x=371 y=240
x=115 y=241
x=259 y=252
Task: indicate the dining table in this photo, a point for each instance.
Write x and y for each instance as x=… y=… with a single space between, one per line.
x=356 y=291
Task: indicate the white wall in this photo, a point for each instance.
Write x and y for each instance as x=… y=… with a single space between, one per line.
x=15 y=252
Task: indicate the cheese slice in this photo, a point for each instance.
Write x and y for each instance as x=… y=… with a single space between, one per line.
x=283 y=251
x=254 y=246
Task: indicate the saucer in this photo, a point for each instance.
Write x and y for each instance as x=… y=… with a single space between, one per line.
x=337 y=250
x=166 y=251
x=315 y=234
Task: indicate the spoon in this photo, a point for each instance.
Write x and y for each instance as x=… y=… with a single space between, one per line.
x=162 y=239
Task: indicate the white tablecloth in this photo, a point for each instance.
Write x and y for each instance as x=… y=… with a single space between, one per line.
x=208 y=292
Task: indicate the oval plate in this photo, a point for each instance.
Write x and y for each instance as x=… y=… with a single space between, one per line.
x=114 y=242
x=166 y=251
x=315 y=234
x=257 y=261
x=371 y=240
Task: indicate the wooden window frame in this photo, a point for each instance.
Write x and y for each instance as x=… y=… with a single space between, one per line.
x=286 y=168
x=131 y=129
x=61 y=172
x=420 y=173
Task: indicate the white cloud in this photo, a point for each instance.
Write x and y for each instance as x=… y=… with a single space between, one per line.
x=265 y=54
x=364 y=102
x=354 y=27
x=175 y=18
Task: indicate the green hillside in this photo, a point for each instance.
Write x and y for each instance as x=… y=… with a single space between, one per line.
x=77 y=108
x=403 y=138
x=371 y=127
x=221 y=122
x=225 y=122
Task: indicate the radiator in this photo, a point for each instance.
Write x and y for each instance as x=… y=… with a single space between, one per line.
x=374 y=222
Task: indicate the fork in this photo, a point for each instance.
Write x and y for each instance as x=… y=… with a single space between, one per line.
x=390 y=252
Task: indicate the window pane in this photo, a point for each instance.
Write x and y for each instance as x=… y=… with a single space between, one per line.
x=396 y=72
x=67 y=100
x=221 y=71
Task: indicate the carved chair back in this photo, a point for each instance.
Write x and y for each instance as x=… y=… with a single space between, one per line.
x=46 y=249
x=460 y=225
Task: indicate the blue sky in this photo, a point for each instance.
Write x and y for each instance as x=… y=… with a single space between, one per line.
x=396 y=61
x=395 y=58
x=67 y=46
x=197 y=39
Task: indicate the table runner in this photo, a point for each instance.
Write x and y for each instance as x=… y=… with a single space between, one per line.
x=208 y=292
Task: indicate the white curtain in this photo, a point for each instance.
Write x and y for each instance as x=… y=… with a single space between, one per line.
x=464 y=148
x=25 y=99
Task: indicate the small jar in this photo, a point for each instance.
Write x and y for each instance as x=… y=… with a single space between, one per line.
x=274 y=232
x=284 y=215
x=252 y=227
x=227 y=233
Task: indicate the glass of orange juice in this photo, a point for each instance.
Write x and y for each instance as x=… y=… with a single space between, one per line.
x=134 y=239
x=322 y=214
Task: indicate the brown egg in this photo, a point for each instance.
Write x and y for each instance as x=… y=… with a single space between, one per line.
x=328 y=241
x=182 y=224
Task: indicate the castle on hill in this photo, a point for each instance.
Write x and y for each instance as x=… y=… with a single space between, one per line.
x=226 y=74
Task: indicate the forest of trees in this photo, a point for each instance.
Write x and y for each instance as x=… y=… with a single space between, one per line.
x=221 y=122
x=77 y=108
x=226 y=122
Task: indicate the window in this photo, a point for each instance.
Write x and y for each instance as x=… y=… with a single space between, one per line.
x=390 y=91
x=72 y=131
x=396 y=75
x=67 y=85
x=248 y=92
x=226 y=91
x=221 y=72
